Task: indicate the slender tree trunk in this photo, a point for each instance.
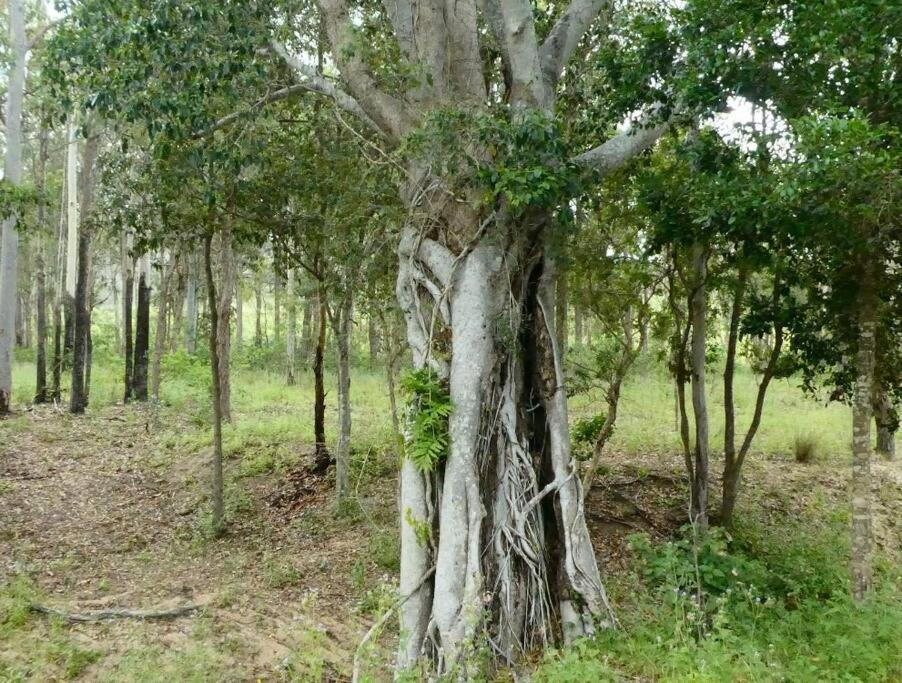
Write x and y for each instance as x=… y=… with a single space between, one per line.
x=698 y=307
x=306 y=330
x=291 y=332
x=41 y=394
x=78 y=399
x=578 y=331
x=227 y=290
x=258 y=307
x=72 y=220
x=679 y=342
x=729 y=407
x=343 y=323
x=862 y=536
x=12 y=172
x=215 y=346
x=56 y=390
x=159 y=345
x=373 y=337
x=277 y=307
x=562 y=302
x=191 y=307
x=239 y=315
x=128 y=289
x=886 y=419
x=732 y=471
x=142 y=331
x=321 y=457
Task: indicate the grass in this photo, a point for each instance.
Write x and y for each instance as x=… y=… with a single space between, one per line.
x=786 y=616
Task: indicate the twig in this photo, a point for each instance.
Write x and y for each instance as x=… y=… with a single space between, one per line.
x=384 y=618
x=107 y=614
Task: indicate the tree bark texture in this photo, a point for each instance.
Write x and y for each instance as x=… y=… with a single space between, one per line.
x=142 y=331
x=128 y=289
x=291 y=332
x=342 y=327
x=215 y=346
x=321 y=456
x=698 y=310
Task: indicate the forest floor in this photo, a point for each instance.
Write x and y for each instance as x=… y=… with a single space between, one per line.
x=109 y=510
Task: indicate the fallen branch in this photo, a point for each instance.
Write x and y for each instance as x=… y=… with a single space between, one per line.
x=107 y=614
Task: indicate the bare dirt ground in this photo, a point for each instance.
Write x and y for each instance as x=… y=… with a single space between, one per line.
x=100 y=515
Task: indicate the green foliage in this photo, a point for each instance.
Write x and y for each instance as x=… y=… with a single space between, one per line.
x=769 y=604
x=426 y=425
x=586 y=430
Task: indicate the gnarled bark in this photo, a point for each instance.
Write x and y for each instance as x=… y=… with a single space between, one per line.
x=504 y=516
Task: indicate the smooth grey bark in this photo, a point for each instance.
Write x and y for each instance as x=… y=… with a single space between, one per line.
x=12 y=172
x=41 y=394
x=698 y=310
x=258 y=310
x=862 y=523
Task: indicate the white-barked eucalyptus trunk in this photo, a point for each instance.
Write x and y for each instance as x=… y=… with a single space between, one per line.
x=12 y=171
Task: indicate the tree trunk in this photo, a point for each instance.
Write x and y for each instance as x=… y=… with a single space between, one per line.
x=258 y=308
x=578 y=331
x=698 y=308
x=215 y=346
x=729 y=406
x=561 y=303
x=306 y=330
x=342 y=325
x=12 y=172
x=78 y=399
x=72 y=219
x=886 y=419
x=862 y=538
x=291 y=332
x=228 y=289
x=191 y=307
x=733 y=461
x=372 y=330
x=277 y=307
x=142 y=331
x=502 y=517
x=41 y=394
x=239 y=314
x=128 y=289
x=159 y=345
x=321 y=457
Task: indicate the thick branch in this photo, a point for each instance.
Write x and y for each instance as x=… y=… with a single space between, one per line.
x=620 y=149
x=309 y=79
x=564 y=37
x=513 y=25
x=107 y=614
x=388 y=113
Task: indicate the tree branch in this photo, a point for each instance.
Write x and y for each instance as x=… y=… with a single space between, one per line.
x=389 y=114
x=565 y=35
x=309 y=79
x=614 y=153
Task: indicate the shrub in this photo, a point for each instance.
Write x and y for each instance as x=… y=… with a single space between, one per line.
x=804 y=449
